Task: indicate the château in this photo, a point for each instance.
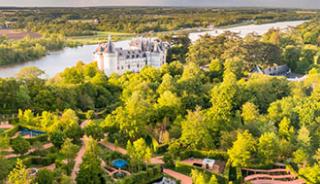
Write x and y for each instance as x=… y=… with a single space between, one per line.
x=141 y=52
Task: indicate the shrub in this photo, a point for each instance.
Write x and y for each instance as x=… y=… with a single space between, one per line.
x=20 y=145
x=37 y=160
x=143 y=177
x=40 y=138
x=163 y=148
x=44 y=176
x=186 y=169
x=12 y=131
x=216 y=154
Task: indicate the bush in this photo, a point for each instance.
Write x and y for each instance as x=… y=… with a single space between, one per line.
x=66 y=167
x=186 y=169
x=12 y=131
x=163 y=148
x=20 y=145
x=215 y=154
x=44 y=176
x=143 y=177
x=168 y=160
x=37 y=160
x=40 y=138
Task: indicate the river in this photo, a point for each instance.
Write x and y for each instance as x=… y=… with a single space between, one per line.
x=56 y=62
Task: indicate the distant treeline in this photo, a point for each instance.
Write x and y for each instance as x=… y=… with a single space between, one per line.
x=86 y=21
x=28 y=48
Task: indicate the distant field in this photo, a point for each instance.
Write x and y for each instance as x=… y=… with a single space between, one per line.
x=14 y=34
x=101 y=37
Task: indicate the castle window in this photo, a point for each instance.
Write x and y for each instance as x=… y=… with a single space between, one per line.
x=127 y=56
x=128 y=66
x=138 y=65
x=121 y=67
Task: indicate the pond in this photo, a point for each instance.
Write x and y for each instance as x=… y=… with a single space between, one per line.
x=56 y=62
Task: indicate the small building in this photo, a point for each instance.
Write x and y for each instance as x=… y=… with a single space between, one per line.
x=208 y=163
x=281 y=70
x=96 y=21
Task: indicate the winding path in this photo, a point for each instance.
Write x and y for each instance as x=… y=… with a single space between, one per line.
x=78 y=159
x=81 y=152
x=45 y=146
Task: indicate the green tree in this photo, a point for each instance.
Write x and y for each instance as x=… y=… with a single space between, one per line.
x=29 y=73
x=268 y=148
x=216 y=68
x=195 y=134
x=304 y=137
x=5 y=168
x=300 y=157
x=138 y=152
x=167 y=84
x=197 y=177
x=285 y=129
x=19 y=175
x=291 y=56
x=57 y=138
x=241 y=153
x=94 y=130
x=4 y=142
x=69 y=150
x=213 y=180
x=90 y=170
x=250 y=113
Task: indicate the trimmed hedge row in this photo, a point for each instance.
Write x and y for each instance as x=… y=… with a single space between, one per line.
x=12 y=131
x=216 y=154
x=39 y=138
x=143 y=177
x=186 y=169
x=38 y=160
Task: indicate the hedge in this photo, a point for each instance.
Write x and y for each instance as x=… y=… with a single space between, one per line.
x=12 y=131
x=216 y=154
x=39 y=138
x=143 y=177
x=163 y=148
x=38 y=160
x=226 y=171
x=186 y=169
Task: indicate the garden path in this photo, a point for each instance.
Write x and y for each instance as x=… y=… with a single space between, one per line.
x=181 y=177
x=45 y=146
x=81 y=152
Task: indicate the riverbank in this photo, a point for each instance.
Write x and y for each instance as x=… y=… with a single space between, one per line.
x=55 y=62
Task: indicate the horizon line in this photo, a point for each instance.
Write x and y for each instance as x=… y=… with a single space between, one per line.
x=163 y=6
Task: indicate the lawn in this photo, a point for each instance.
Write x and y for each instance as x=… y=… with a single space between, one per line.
x=100 y=37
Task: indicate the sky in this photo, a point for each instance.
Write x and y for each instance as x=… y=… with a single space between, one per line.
x=308 y=4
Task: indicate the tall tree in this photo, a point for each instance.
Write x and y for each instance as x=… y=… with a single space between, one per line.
x=19 y=175
x=241 y=153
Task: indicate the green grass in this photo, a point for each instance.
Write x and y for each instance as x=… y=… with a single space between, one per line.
x=100 y=37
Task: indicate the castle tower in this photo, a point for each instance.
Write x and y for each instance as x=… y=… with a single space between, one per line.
x=110 y=57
